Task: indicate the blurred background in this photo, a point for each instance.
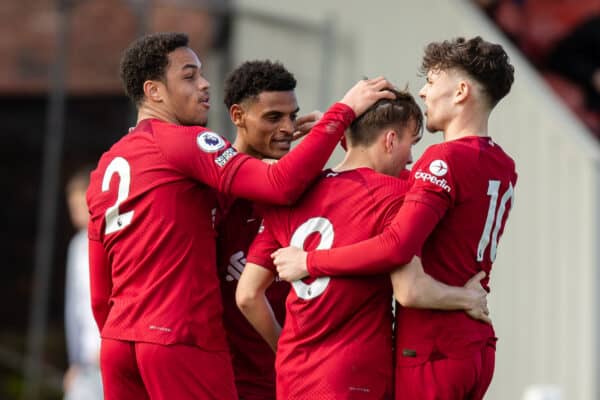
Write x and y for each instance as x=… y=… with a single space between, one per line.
x=62 y=105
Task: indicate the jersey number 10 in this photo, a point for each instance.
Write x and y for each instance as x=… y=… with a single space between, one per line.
x=494 y=219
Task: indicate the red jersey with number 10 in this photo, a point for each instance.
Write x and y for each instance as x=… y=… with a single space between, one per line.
x=469 y=183
x=337 y=337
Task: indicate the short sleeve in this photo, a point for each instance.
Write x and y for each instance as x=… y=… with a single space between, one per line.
x=262 y=247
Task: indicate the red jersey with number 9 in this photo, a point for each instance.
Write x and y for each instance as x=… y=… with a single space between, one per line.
x=470 y=183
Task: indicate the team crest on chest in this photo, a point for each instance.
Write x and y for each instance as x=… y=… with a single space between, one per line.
x=210 y=142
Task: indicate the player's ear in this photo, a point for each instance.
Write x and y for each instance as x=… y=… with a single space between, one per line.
x=237 y=115
x=152 y=91
x=463 y=90
x=390 y=137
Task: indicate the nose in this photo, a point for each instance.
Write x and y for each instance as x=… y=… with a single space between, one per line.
x=203 y=83
x=287 y=125
x=422 y=92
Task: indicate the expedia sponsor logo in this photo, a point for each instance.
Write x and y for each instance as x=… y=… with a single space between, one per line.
x=426 y=177
x=225 y=157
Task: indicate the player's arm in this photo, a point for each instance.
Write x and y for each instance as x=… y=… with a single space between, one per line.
x=258 y=274
x=252 y=301
x=100 y=282
x=284 y=182
x=414 y=288
x=208 y=158
x=396 y=245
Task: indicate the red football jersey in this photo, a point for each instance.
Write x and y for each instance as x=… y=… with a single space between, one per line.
x=152 y=238
x=253 y=359
x=337 y=338
x=470 y=183
x=462 y=191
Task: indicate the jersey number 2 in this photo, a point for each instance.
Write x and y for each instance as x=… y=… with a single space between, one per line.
x=493 y=219
x=324 y=227
x=114 y=220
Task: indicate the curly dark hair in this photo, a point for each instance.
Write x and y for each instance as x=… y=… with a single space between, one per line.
x=385 y=113
x=146 y=59
x=485 y=62
x=254 y=77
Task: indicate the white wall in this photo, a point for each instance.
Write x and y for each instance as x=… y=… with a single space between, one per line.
x=544 y=302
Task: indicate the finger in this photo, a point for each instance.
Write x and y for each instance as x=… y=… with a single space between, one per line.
x=305 y=126
x=476 y=279
x=382 y=84
x=479 y=276
x=385 y=94
x=297 y=135
x=375 y=80
x=307 y=118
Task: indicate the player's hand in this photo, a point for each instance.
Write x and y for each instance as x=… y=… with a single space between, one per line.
x=70 y=377
x=305 y=123
x=290 y=263
x=478 y=309
x=366 y=93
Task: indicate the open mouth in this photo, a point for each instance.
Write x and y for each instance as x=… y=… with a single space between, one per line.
x=205 y=101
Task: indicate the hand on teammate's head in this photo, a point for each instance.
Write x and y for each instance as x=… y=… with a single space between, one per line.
x=367 y=92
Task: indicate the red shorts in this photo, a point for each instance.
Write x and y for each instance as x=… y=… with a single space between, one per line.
x=138 y=370
x=447 y=378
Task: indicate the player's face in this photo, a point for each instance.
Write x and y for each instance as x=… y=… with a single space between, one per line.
x=187 y=96
x=268 y=124
x=78 y=207
x=438 y=95
x=407 y=137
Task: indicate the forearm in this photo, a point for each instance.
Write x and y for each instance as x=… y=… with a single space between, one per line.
x=426 y=292
x=100 y=282
x=380 y=254
x=284 y=182
x=259 y=313
x=252 y=301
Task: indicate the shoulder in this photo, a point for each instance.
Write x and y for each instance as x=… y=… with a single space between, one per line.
x=206 y=140
x=381 y=185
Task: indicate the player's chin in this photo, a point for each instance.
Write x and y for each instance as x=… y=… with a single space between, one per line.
x=201 y=119
x=279 y=149
x=432 y=128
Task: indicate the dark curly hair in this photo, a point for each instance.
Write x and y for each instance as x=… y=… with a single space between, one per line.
x=146 y=59
x=485 y=62
x=254 y=77
x=385 y=113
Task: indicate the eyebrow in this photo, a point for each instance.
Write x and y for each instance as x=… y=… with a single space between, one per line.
x=276 y=112
x=194 y=66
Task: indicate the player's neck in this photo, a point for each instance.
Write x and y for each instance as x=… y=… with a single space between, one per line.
x=356 y=157
x=467 y=124
x=146 y=111
x=241 y=146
